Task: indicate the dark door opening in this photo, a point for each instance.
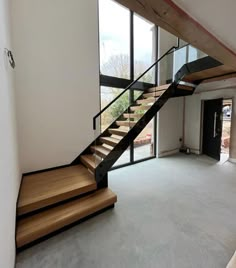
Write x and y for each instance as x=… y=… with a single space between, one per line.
x=212 y=128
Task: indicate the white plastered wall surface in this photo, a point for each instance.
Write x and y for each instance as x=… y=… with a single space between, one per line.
x=170 y=127
x=9 y=167
x=57 y=79
x=220 y=89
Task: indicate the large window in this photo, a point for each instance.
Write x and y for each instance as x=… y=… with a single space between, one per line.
x=114 y=39
x=116 y=109
x=127 y=49
x=144 y=48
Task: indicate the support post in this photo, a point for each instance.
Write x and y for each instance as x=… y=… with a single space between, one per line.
x=103 y=183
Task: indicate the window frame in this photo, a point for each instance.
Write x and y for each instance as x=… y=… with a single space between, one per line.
x=110 y=81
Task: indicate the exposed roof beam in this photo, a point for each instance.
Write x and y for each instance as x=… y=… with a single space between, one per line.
x=170 y=17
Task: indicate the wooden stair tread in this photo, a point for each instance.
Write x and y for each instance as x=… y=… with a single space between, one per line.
x=90 y=161
x=118 y=131
x=110 y=141
x=47 y=188
x=43 y=223
x=126 y=123
x=140 y=107
x=100 y=150
x=153 y=94
x=159 y=88
x=147 y=100
x=127 y=115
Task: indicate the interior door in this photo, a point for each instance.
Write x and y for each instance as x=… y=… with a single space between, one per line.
x=212 y=128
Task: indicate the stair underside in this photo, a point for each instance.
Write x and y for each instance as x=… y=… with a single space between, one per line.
x=34 y=227
x=47 y=188
x=160 y=89
x=209 y=73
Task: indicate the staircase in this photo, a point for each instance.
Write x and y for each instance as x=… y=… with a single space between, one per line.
x=53 y=199
x=100 y=156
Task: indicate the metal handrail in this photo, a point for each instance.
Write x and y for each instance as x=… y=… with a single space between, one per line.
x=178 y=48
x=130 y=85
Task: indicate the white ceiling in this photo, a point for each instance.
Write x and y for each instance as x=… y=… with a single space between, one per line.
x=216 y=16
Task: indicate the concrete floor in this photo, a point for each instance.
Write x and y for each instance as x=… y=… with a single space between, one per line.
x=174 y=212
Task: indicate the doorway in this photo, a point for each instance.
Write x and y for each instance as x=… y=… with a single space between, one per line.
x=226 y=129
x=212 y=128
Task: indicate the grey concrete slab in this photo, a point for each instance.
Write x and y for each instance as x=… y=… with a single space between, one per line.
x=174 y=212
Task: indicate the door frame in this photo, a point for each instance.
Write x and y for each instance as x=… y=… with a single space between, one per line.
x=232 y=112
x=202 y=118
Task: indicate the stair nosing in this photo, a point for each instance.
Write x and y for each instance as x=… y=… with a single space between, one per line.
x=40 y=230
x=80 y=185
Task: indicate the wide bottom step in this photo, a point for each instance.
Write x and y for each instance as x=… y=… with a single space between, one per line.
x=39 y=225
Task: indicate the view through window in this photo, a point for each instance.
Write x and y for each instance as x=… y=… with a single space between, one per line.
x=124 y=57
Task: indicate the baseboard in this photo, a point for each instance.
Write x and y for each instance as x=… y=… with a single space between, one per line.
x=167 y=153
x=232 y=160
x=195 y=151
x=45 y=170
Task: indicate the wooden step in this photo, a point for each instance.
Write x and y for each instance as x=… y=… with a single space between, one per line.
x=159 y=88
x=109 y=141
x=185 y=87
x=153 y=94
x=127 y=123
x=90 y=161
x=118 y=131
x=100 y=150
x=140 y=108
x=50 y=187
x=34 y=227
x=148 y=100
x=136 y=116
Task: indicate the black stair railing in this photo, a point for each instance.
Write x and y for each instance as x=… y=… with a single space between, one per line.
x=137 y=124
x=131 y=85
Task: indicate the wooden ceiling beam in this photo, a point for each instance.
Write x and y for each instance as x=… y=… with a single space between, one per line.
x=166 y=14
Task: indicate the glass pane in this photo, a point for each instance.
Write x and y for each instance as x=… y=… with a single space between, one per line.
x=144 y=143
x=116 y=109
x=192 y=54
x=144 y=48
x=180 y=58
x=166 y=41
x=195 y=54
x=114 y=25
x=166 y=69
x=182 y=43
x=137 y=93
x=124 y=158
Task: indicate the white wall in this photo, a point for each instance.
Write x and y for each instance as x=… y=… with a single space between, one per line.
x=9 y=169
x=222 y=89
x=56 y=49
x=170 y=127
x=192 y=120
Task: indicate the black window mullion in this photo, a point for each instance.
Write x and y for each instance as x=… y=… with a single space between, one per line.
x=131 y=92
x=157 y=74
